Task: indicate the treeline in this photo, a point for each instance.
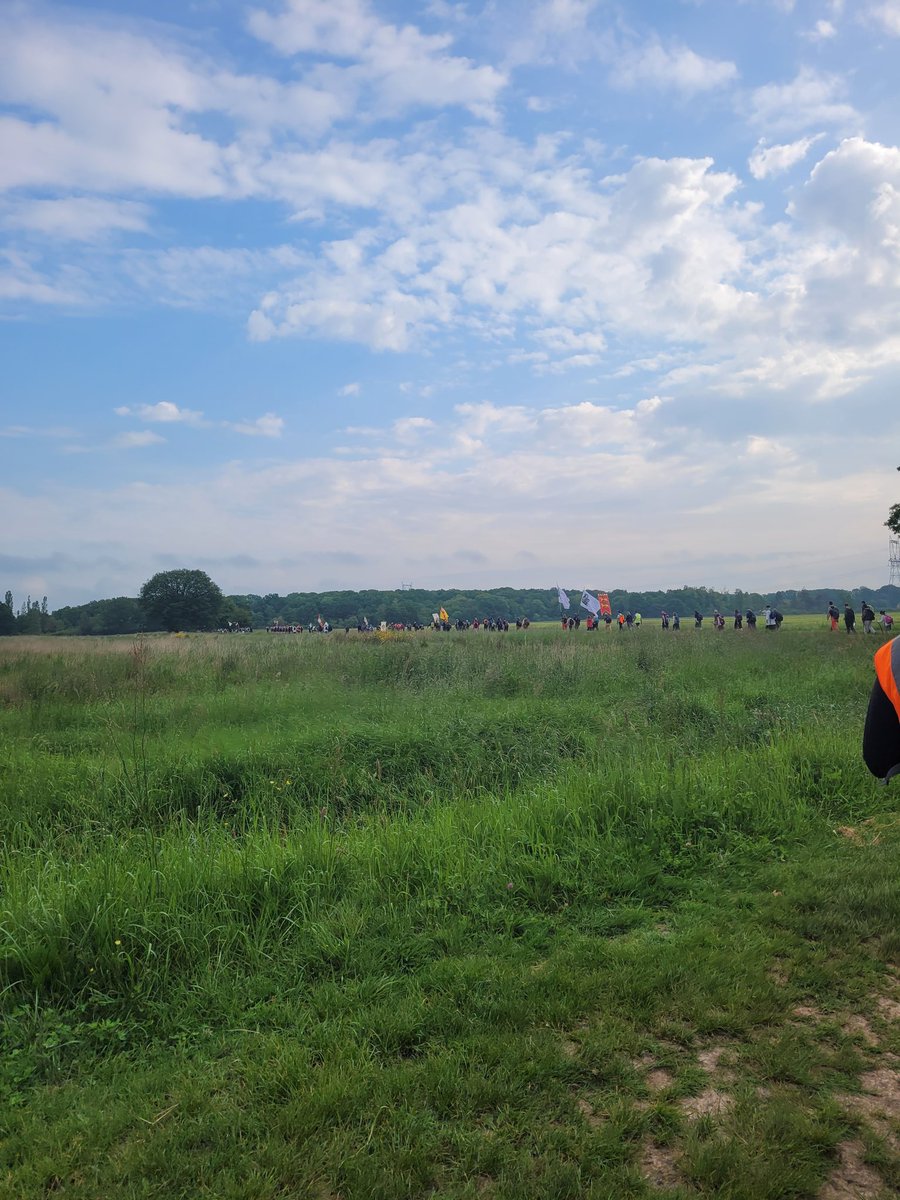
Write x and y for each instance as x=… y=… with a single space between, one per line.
x=33 y=616
x=124 y=614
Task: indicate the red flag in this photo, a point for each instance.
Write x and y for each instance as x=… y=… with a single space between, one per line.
x=605 y=610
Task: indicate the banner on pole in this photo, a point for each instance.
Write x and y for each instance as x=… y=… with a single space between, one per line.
x=605 y=610
x=591 y=603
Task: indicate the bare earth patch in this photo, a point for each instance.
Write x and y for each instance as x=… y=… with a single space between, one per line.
x=659 y=1166
x=879 y=1104
x=710 y=1060
x=808 y=1012
x=888 y=1007
x=589 y=1113
x=852 y=1179
x=711 y=1103
x=659 y=1079
x=858 y=1025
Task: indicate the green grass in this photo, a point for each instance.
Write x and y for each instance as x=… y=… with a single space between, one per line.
x=432 y=915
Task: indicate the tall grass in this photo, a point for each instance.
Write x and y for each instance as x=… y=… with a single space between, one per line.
x=175 y=806
x=306 y=915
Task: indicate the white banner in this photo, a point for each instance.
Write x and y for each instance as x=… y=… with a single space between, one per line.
x=563 y=598
x=591 y=603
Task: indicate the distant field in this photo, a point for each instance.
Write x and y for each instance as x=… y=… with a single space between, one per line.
x=447 y=915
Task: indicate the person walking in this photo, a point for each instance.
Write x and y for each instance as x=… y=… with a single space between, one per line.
x=833 y=615
x=885 y=620
x=868 y=617
x=849 y=618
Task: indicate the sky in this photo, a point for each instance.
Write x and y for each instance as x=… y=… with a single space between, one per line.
x=316 y=294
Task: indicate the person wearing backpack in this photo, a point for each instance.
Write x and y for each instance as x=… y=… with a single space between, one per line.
x=887 y=621
x=868 y=616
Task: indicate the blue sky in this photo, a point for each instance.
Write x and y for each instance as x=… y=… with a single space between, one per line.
x=349 y=293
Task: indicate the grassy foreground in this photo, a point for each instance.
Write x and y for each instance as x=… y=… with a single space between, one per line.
x=446 y=915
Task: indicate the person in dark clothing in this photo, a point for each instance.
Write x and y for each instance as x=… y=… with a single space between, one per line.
x=698 y=619
x=751 y=618
x=881 y=738
x=849 y=619
x=868 y=617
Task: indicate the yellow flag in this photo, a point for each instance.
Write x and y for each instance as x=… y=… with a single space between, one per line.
x=443 y=615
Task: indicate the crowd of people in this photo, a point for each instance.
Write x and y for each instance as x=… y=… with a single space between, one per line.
x=772 y=620
x=867 y=615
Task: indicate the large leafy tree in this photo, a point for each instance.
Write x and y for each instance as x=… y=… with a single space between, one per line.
x=182 y=599
x=893 y=521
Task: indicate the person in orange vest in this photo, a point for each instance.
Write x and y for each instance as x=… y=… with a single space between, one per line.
x=881 y=738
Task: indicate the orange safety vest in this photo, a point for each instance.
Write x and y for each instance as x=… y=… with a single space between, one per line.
x=887 y=668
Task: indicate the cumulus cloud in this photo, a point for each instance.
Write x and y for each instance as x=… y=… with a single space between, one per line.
x=402 y=65
x=657 y=247
x=811 y=98
x=268 y=426
x=773 y=160
x=165 y=411
x=671 y=67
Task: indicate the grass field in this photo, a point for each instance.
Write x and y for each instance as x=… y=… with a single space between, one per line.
x=447 y=915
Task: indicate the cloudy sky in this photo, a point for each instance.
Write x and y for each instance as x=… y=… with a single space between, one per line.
x=349 y=293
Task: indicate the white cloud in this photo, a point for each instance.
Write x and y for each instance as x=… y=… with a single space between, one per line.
x=407 y=429
x=501 y=471
x=349 y=389
x=773 y=160
x=822 y=31
x=671 y=67
x=133 y=441
x=268 y=425
x=810 y=99
x=887 y=14
x=78 y=218
x=165 y=411
x=22 y=281
x=655 y=248
x=403 y=66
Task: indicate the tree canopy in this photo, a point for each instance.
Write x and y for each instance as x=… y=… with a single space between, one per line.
x=182 y=599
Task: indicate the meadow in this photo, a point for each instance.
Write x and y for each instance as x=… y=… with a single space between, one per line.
x=544 y=915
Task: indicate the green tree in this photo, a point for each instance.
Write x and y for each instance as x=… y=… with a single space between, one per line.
x=7 y=621
x=181 y=599
x=893 y=521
